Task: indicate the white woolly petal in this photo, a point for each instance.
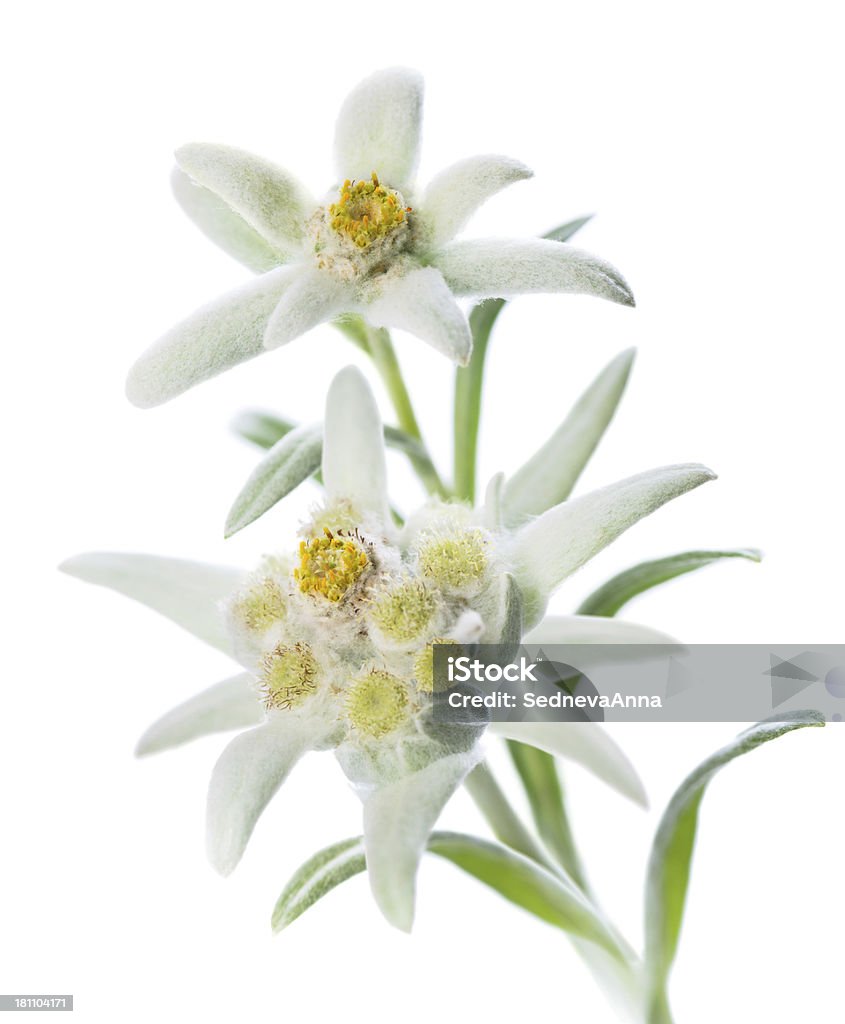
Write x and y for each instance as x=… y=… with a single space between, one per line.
x=247 y=776
x=188 y=593
x=548 y=477
x=587 y=744
x=219 y=222
x=353 y=445
x=593 y=629
x=491 y=511
x=267 y=197
x=502 y=268
x=548 y=549
x=313 y=297
x=420 y=302
x=398 y=819
x=230 y=704
x=454 y=195
x=378 y=128
x=215 y=338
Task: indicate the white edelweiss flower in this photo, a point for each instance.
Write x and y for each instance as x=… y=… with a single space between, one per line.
x=335 y=640
x=373 y=246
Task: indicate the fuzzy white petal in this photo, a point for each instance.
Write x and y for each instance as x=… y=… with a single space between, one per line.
x=312 y=298
x=215 y=338
x=593 y=629
x=219 y=222
x=230 y=704
x=548 y=549
x=267 y=197
x=492 y=513
x=188 y=593
x=420 y=302
x=502 y=268
x=353 y=445
x=247 y=776
x=378 y=128
x=548 y=477
x=587 y=744
x=454 y=195
x=398 y=819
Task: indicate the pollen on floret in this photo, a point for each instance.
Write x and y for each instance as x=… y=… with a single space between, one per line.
x=404 y=613
x=288 y=675
x=367 y=211
x=331 y=565
x=456 y=561
x=424 y=664
x=261 y=606
x=377 y=704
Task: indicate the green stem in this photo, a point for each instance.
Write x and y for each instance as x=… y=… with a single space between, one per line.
x=383 y=354
x=469 y=383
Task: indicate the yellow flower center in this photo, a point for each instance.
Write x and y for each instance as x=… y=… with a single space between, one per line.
x=424 y=664
x=403 y=614
x=329 y=566
x=377 y=704
x=457 y=562
x=367 y=211
x=288 y=676
x=262 y=606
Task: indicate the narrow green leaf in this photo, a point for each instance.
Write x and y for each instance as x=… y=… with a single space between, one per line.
x=522 y=881
x=265 y=430
x=516 y=878
x=540 y=778
x=317 y=877
x=469 y=380
x=563 y=232
x=671 y=854
x=292 y=459
x=261 y=428
x=548 y=477
x=618 y=591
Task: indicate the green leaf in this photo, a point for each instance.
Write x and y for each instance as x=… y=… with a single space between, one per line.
x=292 y=459
x=265 y=430
x=261 y=428
x=671 y=854
x=548 y=477
x=563 y=232
x=469 y=380
x=516 y=878
x=618 y=591
x=317 y=877
x=540 y=778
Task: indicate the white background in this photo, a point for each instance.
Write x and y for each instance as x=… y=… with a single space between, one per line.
x=707 y=138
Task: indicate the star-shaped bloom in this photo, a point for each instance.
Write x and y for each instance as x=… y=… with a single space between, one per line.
x=335 y=639
x=374 y=246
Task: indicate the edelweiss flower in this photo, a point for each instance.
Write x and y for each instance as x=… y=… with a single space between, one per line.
x=372 y=246
x=336 y=640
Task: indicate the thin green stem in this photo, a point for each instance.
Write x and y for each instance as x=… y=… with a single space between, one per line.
x=383 y=354
x=469 y=384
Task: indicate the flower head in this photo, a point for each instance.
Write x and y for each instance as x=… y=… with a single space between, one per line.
x=336 y=639
x=375 y=245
